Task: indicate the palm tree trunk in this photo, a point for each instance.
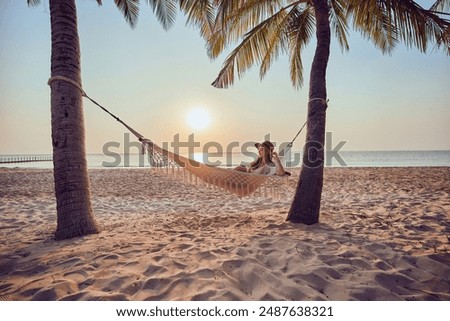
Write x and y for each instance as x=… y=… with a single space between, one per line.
x=72 y=188
x=305 y=207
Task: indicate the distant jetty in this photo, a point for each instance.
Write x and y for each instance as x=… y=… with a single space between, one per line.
x=24 y=159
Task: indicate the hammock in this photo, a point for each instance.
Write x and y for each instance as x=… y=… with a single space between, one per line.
x=236 y=182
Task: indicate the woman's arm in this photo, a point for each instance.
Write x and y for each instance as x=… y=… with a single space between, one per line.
x=280 y=168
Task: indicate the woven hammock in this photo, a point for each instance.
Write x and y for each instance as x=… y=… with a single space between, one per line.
x=236 y=182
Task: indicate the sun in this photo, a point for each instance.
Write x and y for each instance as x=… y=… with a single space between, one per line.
x=198 y=118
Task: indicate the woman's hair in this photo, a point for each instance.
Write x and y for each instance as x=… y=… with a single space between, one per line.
x=257 y=162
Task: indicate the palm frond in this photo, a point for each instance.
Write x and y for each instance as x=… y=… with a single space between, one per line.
x=264 y=29
x=201 y=14
x=216 y=43
x=247 y=12
x=276 y=41
x=234 y=18
x=32 y=3
x=390 y=21
x=442 y=9
x=427 y=27
x=129 y=9
x=339 y=24
x=441 y=6
x=273 y=30
x=300 y=31
x=253 y=48
x=374 y=22
x=165 y=11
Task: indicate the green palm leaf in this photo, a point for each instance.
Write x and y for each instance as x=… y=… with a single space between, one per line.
x=199 y=13
x=339 y=24
x=390 y=21
x=165 y=11
x=276 y=41
x=440 y=6
x=375 y=22
x=300 y=31
x=252 y=49
x=234 y=18
x=289 y=34
x=268 y=37
x=129 y=9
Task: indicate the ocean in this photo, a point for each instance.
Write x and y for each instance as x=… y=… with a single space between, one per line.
x=341 y=159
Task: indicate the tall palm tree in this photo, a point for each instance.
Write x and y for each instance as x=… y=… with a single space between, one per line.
x=72 y=189
x=266 y=28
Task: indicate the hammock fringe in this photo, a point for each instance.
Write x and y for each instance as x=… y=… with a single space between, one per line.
x=238 y=183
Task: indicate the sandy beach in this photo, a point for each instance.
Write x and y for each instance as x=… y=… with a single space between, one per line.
x=384 y=234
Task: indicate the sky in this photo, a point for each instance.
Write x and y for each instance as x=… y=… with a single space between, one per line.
x=152 y=79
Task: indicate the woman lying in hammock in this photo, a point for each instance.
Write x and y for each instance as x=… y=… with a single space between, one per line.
x=268 y=162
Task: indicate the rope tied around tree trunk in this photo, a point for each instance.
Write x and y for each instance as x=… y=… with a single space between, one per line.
x=71 y=81
x=320 y=99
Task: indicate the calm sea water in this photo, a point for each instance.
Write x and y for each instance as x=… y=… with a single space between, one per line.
x=343 y=159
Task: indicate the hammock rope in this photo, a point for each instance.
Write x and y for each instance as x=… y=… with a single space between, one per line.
x=236 y=182
x=291 y=143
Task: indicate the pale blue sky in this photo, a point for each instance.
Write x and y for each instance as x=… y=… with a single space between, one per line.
x=151 y=78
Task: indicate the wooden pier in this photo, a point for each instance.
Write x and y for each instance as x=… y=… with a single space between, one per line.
x=24 y=159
